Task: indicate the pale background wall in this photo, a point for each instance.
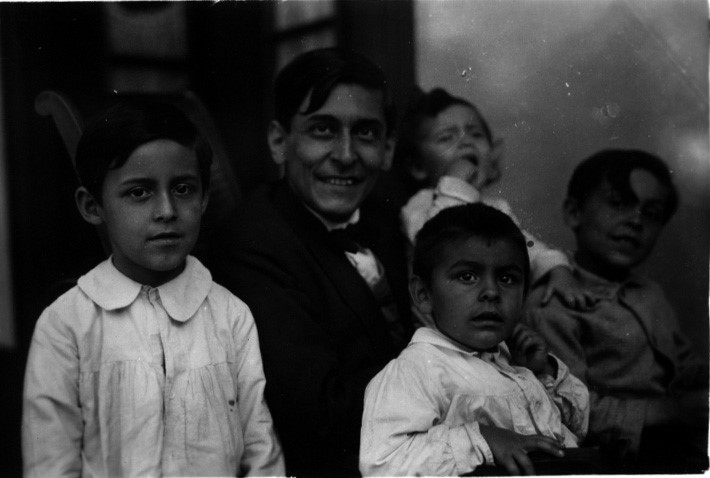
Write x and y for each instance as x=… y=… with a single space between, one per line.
x=561 y=79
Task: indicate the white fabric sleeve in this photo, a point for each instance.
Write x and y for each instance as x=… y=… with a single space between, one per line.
x=262 y=452
x=543 y=258
x=427 y=203
x=571 y=397
x=415 y=213
x=51 y=417
x=403 y=431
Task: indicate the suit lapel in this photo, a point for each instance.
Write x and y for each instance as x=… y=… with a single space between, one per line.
x=353 y=290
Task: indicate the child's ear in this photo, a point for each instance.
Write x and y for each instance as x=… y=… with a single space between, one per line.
x=88 y=206
x=419 y=292
x=572 y=213
x=276 y=137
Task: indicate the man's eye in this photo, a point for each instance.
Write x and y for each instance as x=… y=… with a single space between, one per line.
x=184 y=189
x=322 y=129
x=367 y=133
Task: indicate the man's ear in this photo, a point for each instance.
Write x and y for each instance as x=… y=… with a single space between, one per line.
x=88 y=206
x=572 y=213
x=419 y=292
x=276 y=136
x=390 y=144
x=417 y=172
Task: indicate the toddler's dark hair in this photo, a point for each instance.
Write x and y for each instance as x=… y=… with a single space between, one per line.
x=616 y=165
x=111 y=137
x=319 y=72
x=425 y=105
x=462 y=222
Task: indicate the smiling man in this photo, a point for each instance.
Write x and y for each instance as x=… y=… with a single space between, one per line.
x=326 y=307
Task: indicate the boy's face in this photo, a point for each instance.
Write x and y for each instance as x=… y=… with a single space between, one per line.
x=333 y=155
x=476 y=291
x=615 y=234
x=454 y=135
x=151 y=207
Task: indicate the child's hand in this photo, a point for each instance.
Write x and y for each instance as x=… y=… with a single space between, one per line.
x=510 y=449
x=466 y=171
x=565 y=285
x=529 y=349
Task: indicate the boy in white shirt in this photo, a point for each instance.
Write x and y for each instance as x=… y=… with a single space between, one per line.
x=478 y=388
x=146 y=367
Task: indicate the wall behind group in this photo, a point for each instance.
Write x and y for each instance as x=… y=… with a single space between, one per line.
x=560 y=80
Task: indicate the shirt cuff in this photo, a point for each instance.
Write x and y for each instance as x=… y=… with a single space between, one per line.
x=469 y=448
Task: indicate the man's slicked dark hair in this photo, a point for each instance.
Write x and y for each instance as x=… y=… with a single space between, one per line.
x=616 y=165
x=319 y=72
x=110 y=138
x=461 y=222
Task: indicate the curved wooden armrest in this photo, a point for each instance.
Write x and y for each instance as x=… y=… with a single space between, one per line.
x=65 y=115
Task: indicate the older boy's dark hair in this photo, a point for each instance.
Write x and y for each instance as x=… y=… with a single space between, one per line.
x=319 y=72
x=111 y=137
x=461 y=222
x=616 y=165
x=426 y=105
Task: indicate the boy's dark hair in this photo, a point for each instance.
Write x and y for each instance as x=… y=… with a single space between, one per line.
x=461 y=222
x=616 y=165
x=111 y=137
x=319 y=72
x=422 y=106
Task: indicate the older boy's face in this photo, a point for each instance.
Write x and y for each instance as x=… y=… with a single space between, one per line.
x=152 y=206
x=614 y=235
x=334 y=155
x=476 y=291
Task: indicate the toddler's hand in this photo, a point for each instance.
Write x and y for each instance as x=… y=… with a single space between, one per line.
x=466 y=171
x=529 y=349
x=565 y=285
x=510 y=449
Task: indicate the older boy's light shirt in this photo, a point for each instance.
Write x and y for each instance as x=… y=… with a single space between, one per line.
x=129 y=380
x=423 y=410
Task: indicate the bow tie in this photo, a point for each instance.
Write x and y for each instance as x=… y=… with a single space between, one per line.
x=345 y=238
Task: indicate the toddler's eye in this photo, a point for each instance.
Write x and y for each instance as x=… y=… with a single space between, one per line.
x=444 y=137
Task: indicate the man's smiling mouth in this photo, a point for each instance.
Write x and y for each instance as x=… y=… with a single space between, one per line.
x=340 y=181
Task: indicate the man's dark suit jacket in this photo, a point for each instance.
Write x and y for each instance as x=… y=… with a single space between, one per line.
x=321 y=331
